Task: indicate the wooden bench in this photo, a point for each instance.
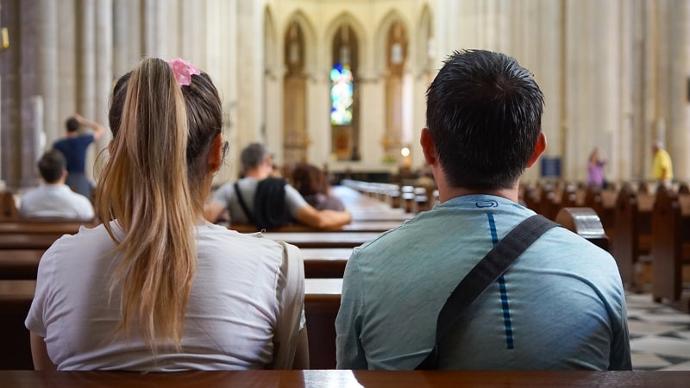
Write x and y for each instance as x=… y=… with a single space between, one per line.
x=325 y=262
x=15 y=300
x=670 y=248
x=633 y=232
x=19 y=264
x=324 y=240
x=356 y=226
x=346 y=378
x=322 y=301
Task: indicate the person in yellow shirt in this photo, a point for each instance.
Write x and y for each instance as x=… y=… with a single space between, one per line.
x=662 y=167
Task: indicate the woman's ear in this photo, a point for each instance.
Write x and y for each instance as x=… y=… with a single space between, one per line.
x=215 y=153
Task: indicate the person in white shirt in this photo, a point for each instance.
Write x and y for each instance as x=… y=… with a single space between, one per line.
x=155 y=287
x=54 y=199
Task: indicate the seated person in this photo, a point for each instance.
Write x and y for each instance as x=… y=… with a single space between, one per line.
x=561 y=304
x=54 y=199
x=266 y=202
x=311 y=182
x=155 y=288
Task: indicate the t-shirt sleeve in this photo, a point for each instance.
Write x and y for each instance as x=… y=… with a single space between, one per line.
x=294 y=200
x=223 y=194
x=348 y=324
x=620 y=358
x=86 y=139
x=37 y=319
x=290 y=319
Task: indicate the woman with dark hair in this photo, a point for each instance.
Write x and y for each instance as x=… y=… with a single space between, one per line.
x=155 y=287
x=311 y=182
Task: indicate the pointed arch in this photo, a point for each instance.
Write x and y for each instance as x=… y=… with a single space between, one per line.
x=270 y=41
x=382 y=32
x=310 y=38
x=424 y=45
x=346 y=18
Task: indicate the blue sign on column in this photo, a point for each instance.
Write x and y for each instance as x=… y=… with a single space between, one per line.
x=550 y=167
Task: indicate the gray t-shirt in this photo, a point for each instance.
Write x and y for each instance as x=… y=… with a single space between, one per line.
x=226 y=195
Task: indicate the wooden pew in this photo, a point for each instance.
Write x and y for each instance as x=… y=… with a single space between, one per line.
x=586 y=223
x=670 y=249
x=356 y=226
x=325 y=262
x=15 y=300
x=321 y=304
x=324 y=240
x=27 y=241
x=322 y=300
x=633 y=232
x=19 y=264
x=346 y=378
x=22 y=264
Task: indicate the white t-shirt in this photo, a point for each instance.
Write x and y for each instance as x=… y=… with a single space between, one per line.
x=244 y=312
x=55 y=201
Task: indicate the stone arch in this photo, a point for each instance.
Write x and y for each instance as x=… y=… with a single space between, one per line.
x=381 y=37
x=346 y=18
x=424 y=44
x=310 y=39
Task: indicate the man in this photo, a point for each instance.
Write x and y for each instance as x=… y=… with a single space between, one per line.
x=560 y=306
x=662 y=167
x=73 y=146
x=53 y=199
x=257 y=197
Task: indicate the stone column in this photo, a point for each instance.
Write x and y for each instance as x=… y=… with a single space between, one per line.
x=87 y=59
x=31 y=100
x=67 y=61
x=104 y=58
x=250 y=31
x=121 y=37
x=678 y=22
x=48 y=60
x=134 y=24
x=10 y=60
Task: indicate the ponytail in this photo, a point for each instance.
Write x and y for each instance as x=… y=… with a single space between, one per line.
x=145 y=188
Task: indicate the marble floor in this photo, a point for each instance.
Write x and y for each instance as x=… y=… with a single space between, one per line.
x=659 y=335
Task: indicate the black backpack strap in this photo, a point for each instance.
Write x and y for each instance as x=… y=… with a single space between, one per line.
x=484 y=274
x=243 y=204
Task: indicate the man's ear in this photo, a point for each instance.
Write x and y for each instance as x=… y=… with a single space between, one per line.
x=215 y=153
x=428 y=147
x=539 y=149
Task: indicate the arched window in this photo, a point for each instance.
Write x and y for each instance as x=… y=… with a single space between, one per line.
x=343 y=95
x=295 y=139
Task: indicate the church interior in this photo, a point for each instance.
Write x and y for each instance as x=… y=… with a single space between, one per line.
x=340 y=86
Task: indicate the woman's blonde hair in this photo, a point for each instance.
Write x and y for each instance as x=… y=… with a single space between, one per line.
x=152 y=186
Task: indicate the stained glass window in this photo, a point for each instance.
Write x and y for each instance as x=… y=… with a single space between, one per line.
x=342 y=96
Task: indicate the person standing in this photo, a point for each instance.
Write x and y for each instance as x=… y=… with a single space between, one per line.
x=662 y=167
x=73 y=146
x=595 y=169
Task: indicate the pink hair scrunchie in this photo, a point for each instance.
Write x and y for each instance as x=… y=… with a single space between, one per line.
x=183 y=71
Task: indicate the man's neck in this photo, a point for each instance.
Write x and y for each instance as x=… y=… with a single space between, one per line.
x=447 y=193
x=72 y=134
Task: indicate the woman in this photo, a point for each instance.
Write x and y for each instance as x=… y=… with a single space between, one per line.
x=155 y=288
x=312 y=184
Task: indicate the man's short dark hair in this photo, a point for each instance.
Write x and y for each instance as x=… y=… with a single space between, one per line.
x=253 y=155
x=51 y=166
x=72 y=125
x=484 y=114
